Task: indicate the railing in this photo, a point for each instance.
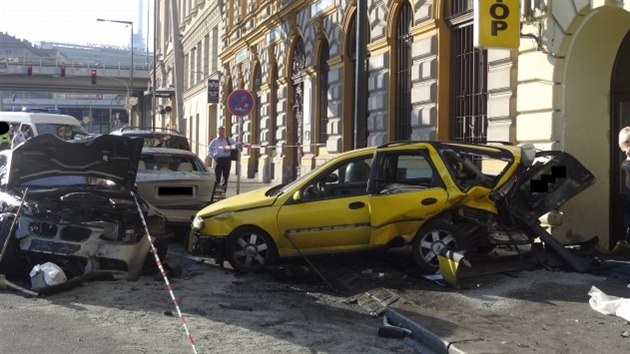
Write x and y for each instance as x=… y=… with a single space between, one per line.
x=73 y=63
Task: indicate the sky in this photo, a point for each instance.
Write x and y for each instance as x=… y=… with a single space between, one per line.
x=75 y=21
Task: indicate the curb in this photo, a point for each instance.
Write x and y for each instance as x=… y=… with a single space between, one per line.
x=421 y=340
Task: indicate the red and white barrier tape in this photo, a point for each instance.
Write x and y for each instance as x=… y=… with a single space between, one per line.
x=274 y=146
x=168 y=284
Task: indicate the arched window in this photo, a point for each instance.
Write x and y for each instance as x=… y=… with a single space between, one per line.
x=324 y=55
x=255 y=122
x=349 y=97
x=273 y=104
x=296 y=126
x=402 y=117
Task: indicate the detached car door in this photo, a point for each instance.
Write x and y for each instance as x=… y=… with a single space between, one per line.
x=331 y=211
x=405 y=192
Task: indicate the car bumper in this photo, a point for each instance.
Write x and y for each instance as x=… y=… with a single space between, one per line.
x=212 y=246
x=178 y=216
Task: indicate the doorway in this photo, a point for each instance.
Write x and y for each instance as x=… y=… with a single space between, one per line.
x=620 y=117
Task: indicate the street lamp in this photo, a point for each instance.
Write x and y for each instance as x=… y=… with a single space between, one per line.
x=129 y=23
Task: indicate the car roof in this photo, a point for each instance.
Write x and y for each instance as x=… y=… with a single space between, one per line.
x=146 y=130
x=27 y=117
x=162 y=136
x=166 y=151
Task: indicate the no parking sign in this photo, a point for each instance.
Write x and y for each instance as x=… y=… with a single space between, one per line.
x=240 y=102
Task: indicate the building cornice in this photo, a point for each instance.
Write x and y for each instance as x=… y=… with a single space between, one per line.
x=258 y=33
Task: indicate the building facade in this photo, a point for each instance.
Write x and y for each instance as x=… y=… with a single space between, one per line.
x=567 y=86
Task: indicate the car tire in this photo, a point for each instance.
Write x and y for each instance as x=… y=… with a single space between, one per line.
x=11 y=263
x=429 y=242
x=250 y=249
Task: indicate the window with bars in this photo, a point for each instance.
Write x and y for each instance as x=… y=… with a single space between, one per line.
x=469 y=95
x=323 y=92
x=458 y=7
x=403 y=74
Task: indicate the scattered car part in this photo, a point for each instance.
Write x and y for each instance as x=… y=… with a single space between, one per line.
x=388 y=330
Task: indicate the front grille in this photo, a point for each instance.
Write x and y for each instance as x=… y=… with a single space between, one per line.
x=74 y=233
x=43 y=229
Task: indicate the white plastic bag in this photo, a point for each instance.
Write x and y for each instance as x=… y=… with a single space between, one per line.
x=46 y=274
x=608 y=304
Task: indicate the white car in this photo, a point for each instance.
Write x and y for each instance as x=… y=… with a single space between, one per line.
x=176 y=182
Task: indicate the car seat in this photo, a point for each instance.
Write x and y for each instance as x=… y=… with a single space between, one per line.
x=185 y=166
x=358 y=171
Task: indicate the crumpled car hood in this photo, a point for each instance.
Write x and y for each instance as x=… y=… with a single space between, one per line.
x=249 y=200
x=108 y=157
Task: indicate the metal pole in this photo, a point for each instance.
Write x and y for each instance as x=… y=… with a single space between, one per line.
x=238 y=156
x=110 y=114
x=130 y=24
x=153 y=112
x=131 y=73
x=360 y=99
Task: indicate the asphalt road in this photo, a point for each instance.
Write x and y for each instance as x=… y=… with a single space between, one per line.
x=336 y=309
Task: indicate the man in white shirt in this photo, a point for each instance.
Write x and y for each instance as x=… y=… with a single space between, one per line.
x=219 y=150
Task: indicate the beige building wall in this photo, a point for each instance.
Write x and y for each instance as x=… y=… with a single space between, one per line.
x=564 y=100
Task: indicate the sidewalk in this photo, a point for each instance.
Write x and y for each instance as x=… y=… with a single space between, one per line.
x=244 y=185
x=522 y=312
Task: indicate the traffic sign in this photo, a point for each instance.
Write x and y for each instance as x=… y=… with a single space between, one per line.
x=213 y=91
x=240 y=102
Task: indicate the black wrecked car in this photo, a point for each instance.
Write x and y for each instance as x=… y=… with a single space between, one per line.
x=74 y=204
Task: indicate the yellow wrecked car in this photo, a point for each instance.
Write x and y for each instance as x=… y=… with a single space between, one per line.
x=433 y=196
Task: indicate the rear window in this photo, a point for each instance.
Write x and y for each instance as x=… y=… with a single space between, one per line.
x=164 y=162
x=162 y=140
x=63 y=131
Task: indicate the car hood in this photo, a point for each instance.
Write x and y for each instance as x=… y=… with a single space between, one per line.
x=107 y=156
x=547 y=185
x=250 y=200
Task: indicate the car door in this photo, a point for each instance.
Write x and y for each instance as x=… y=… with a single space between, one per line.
x=407 y=192
x=331 y=212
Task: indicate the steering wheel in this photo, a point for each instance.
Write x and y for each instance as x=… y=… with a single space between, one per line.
x=321 y=186
x=312 y=191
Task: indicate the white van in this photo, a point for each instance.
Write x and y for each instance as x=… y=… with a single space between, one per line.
x=62 y=125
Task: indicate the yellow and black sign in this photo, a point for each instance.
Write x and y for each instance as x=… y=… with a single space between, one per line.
x=497 y=23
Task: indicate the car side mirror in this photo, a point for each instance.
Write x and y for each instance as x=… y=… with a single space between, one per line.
x=297 y=196
x=331 y=178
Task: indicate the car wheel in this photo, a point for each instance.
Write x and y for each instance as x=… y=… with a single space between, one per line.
x=430 y=241
x=250 y=249
x=11 y=263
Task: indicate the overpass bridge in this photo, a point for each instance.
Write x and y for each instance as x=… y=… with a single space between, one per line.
x=112 y=77
x=74 y=90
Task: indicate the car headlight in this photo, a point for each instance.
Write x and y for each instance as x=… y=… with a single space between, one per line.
x=198 y=223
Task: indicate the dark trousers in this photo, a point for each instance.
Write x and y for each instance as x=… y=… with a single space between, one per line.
x=626 y=216
x=222 y=168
